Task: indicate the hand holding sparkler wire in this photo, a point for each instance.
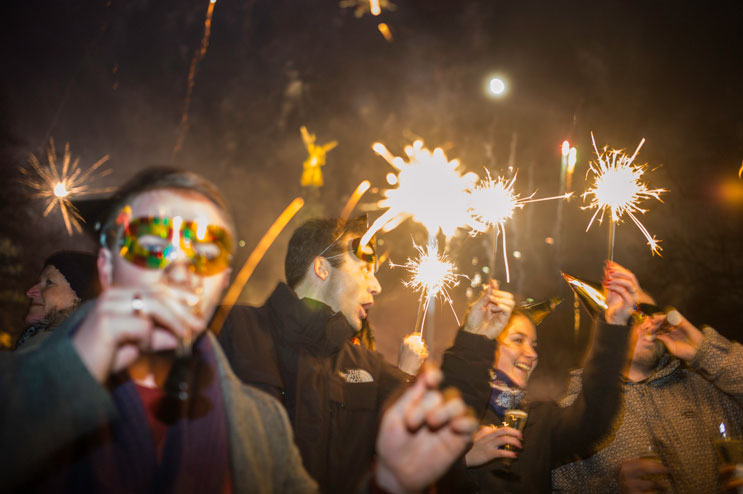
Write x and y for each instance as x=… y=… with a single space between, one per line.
x=489 y=314
x=413 y=352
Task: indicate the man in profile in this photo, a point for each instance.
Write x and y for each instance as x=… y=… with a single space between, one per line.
x=298 y=348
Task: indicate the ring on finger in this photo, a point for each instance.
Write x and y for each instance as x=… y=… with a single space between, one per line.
x=137 y=304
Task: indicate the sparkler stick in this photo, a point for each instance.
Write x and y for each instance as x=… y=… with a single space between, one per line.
x=617 y=189
x=252 y=261
x=58 y=186
x=354 y=199
x=492 y=203
x=191 y=81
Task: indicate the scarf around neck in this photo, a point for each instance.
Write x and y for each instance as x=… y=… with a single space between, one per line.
x=505 y=395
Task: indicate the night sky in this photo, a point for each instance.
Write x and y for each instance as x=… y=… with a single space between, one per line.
x=109 y=77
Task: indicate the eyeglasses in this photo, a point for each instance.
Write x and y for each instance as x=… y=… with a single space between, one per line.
x=154 y=242
x=366 y=253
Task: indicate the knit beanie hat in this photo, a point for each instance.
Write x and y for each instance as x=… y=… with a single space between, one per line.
x=81 y=271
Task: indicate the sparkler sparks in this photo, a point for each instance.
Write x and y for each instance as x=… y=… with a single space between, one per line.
x=183 y=126
x=493 y=202
x=430 y=190
x=59 y=183
x=374 y=7
x=618 y=189
x=432 y=275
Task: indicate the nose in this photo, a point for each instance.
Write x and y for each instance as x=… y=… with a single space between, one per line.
x=531 y=352
x=34 y=291
x=374 y=287
x=179 y=273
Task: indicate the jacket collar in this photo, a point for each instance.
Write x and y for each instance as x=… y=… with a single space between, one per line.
x=307 y=323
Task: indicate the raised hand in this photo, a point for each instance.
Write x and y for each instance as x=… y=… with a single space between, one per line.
x=623 y=291
x=128 y=321
x=489 y=442
x=413 y=352
x=682 y=340
x=421 y=435
x=489 y=314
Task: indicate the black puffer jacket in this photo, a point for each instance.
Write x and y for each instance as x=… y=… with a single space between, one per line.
x=300 y=352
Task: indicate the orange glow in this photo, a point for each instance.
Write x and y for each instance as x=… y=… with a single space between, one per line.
x=731 y=192
x=385 y=30
x=354 y=199
x=252 y=262
x=374 y=7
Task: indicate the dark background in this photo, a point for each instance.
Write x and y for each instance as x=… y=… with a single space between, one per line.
x=110 y=78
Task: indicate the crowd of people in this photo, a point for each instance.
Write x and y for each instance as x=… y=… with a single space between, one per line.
x=117 y=385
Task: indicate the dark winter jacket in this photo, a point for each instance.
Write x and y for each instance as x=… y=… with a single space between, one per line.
x=300 y=351
x=554 y=435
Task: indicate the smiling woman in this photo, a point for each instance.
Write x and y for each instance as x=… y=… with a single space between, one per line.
x=517 y=455
x=67 y=279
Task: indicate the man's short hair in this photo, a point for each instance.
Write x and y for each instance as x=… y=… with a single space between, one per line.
x=158 y=178
x=315 y=236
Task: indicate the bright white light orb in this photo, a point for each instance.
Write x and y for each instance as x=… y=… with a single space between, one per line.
x=497 y=86
x=60 y=190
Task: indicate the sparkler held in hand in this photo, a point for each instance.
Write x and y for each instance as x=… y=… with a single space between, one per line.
x=617 y=189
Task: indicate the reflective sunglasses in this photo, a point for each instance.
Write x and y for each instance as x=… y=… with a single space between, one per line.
x=154 y=242
x=366 y=253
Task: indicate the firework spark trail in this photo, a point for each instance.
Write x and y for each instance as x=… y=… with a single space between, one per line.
x=183 y=126
x=354 y=199
x=58 y=185
x=492 y=203
x=617 y=188
x=432 y=275
x=430 y=190
x=232 y=294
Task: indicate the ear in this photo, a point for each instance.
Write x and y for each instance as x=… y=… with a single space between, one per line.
x=321 y=268
x=105 y=267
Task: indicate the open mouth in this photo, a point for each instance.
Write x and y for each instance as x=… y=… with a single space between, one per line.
x=524 y=367
x=364 y=312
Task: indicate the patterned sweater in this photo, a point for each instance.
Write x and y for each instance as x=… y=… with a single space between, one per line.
x=676 y=412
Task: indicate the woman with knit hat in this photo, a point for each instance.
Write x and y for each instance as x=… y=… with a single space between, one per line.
x=67 y=279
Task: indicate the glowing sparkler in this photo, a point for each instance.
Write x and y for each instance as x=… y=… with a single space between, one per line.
x=430 y=190
x=59 y=183
x=191 y=81
x=492 y=203
x=432 y=275
x=617 y=188
x=316 y=153
x=374 y=7
x=384 y=30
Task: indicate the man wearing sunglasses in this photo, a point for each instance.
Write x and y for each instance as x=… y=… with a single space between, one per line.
x=680 y=384
x=132 y=395
x=298 y=347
